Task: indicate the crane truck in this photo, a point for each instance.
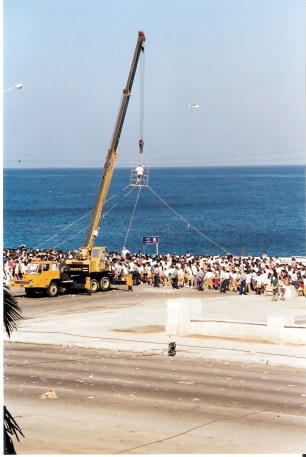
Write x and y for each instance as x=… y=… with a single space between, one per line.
x=91 y=269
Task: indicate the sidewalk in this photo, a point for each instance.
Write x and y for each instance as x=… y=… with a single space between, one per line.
x=138 y=325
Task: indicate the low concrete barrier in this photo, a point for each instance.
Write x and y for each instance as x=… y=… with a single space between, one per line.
x=185 y=318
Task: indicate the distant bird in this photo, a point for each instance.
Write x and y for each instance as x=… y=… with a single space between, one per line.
x=194 y=105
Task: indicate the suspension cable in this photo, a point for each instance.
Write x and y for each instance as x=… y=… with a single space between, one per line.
x=128 y=230
x=83 y=229
x=71 y=237
x=126 y=195
x=186 y=222
x=75 y=222
x=64 y=229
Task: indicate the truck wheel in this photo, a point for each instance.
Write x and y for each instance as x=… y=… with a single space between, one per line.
x=94 y=286
x=52 y=290
x=104 y=283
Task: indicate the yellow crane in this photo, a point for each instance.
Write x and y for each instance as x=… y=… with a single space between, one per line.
x=91 y=270
x=112 y=152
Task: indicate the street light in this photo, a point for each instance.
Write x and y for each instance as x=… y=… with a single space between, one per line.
x=17 y=86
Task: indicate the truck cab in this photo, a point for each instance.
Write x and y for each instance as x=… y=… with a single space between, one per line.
x=41 y=276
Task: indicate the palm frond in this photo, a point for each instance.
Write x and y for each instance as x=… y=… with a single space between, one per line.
x=11 y=428
x=11 y=311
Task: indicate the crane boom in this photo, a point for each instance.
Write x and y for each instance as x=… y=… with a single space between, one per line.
x=112 y=151
x=91 y=269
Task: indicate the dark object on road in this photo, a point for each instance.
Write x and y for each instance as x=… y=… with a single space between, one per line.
x=171 y=350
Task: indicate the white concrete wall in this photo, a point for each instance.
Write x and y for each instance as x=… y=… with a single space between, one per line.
x=184 y=318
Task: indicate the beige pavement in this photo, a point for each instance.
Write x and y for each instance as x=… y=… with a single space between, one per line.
x=136 y=322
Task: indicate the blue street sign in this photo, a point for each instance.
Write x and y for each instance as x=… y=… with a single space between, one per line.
x=150 y=240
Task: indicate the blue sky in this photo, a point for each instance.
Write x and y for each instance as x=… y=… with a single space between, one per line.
x=242 y=61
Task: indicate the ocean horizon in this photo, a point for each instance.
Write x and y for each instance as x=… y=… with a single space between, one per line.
x=245 y=210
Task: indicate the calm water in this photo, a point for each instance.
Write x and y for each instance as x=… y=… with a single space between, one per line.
x=246 y=210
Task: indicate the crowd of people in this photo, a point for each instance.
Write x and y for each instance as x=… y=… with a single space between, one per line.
x=243 y=275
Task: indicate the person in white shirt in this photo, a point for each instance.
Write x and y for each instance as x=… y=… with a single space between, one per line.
x=140 y=172
x=248 y=282
x=304 y=282
x=124 y=252
x=209 y=279
x=294 y=278
x=282 y=287
x=224 y=278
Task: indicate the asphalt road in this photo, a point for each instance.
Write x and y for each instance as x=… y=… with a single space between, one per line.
x=127 y=403
x=67 y=303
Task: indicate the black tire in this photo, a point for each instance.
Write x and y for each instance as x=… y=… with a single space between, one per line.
x=105 y=283
x=30 y=292
x=94 y=286
x=52 y=290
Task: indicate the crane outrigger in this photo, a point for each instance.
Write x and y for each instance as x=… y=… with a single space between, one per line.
x=91 y=270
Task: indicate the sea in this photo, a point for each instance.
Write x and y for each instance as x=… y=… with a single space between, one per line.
x=200 y=210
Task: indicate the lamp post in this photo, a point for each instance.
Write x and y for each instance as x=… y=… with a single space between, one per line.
x=17 y=86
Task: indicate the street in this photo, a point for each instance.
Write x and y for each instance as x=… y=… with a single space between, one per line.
x=113 y=402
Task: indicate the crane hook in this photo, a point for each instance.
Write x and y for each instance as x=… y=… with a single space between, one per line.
x=141 y=143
